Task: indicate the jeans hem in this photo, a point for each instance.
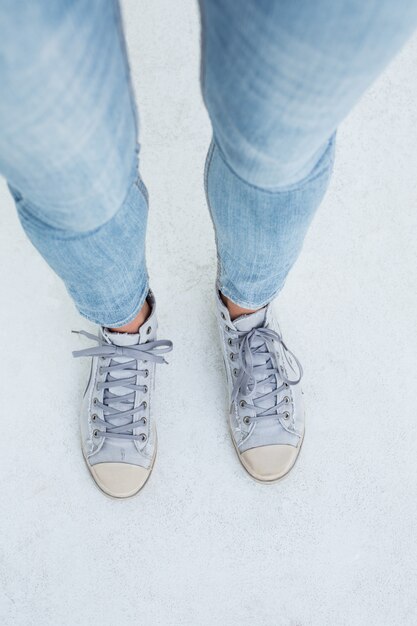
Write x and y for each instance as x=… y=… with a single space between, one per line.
x=247 y=304
x=116 y=322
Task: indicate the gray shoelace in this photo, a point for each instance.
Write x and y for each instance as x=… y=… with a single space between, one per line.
x=120 y=408
x=258 y=371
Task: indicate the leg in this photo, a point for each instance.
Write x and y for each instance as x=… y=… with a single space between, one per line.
x=68 y=150
x=278 y=78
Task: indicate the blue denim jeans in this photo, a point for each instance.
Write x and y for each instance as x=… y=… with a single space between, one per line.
x=277 y=77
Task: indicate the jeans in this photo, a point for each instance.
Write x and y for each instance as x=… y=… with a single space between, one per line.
x=277 y=79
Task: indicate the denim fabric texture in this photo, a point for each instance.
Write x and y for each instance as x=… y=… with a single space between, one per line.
x=277 y=79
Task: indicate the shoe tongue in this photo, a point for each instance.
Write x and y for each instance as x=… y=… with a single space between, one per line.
x=146 y=332
x=246 y=323
x=121 y=339
x=252 y=320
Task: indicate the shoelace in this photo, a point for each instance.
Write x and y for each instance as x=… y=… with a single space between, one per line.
x=149 y=351
x=251 y=376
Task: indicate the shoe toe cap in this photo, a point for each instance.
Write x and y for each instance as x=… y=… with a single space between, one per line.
x=269 y=463
x=119 y=480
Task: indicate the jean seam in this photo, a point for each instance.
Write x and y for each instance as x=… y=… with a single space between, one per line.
x=119 y=25
x=206 y=174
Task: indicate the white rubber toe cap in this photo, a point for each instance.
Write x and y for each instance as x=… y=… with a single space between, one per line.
x=119 y=480
x=269 y=463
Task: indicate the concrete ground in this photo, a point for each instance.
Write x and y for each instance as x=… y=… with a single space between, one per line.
x=334 y=543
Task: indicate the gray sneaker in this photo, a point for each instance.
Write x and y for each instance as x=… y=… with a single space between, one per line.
x=118 y=434
x=266 y=416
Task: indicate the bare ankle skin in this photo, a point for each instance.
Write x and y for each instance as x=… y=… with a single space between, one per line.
x=133 y=326
x=234 y=309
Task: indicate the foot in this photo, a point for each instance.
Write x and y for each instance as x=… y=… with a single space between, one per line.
x=266 y=410
x=117 y=430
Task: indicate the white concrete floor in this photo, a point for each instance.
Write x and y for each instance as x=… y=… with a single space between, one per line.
x=333 y=544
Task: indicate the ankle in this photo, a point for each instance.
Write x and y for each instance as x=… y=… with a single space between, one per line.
x=134 y=325
x=234 y=309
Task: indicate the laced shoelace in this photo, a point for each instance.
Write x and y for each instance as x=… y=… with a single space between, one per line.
x=149 y=351
x=251 y=376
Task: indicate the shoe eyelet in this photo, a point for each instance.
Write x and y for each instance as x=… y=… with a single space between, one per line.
x=223 y=315
x=246 y=419
x=144 y=404
x=229 y=341
x=102 y=358
x=232 y=356
x=146 y=373
x=235 y=371
x=96 y=433
x=94 y=417
x=286 y=400
x=148 y=330
x=286 y=385
x=144 y=420
x=143 y=437
x=242 y=403
x=95 y=400
x=286 y=415
x=145 y=389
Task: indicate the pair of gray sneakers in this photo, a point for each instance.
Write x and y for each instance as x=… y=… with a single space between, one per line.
x=266 y=416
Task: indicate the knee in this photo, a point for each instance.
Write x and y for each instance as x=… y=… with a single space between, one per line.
x=81 y=215
x=273 y=164
x=87 y=213
x=88 y=217
x=263 y=145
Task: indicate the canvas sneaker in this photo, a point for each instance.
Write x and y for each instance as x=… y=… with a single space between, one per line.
x=118 y=433
x=266 y=415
